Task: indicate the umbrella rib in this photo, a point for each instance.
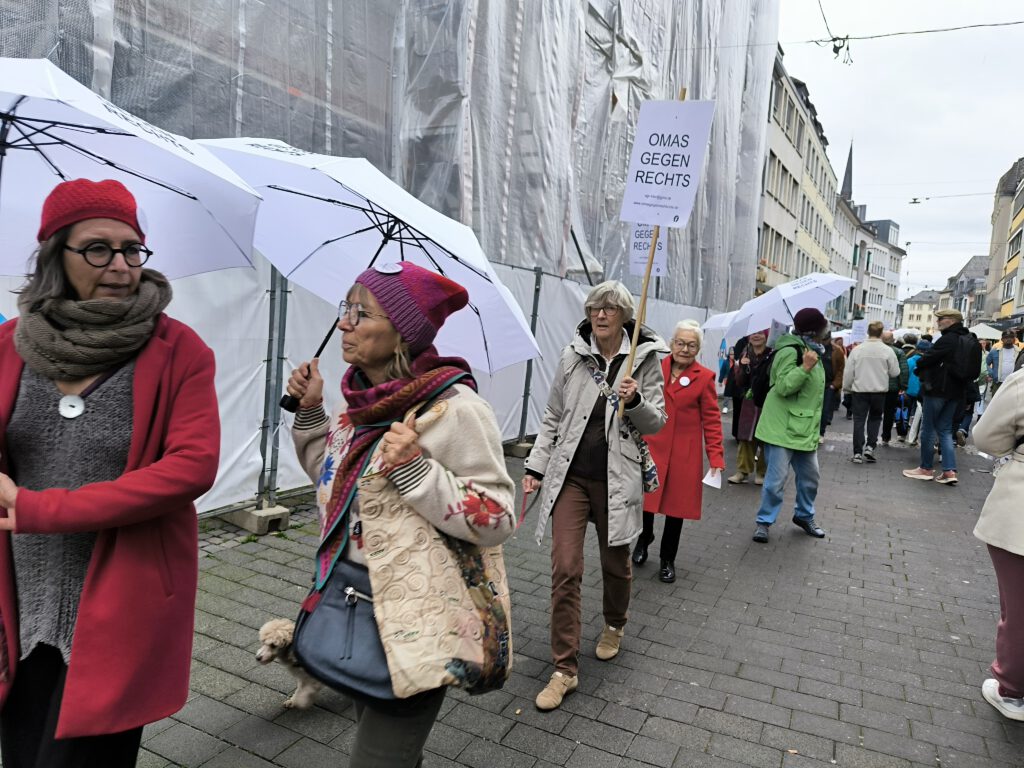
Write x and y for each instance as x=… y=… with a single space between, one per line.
x=123 y=169
x=60 y=124
x=37 y=148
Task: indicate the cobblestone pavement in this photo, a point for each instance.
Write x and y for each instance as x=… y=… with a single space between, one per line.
x=863 y=650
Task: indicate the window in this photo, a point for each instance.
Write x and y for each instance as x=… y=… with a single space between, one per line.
x=1007 y=289
x=1018 y=203
x=1014 y=247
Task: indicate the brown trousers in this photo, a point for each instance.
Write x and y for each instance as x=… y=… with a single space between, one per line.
x=582 y=500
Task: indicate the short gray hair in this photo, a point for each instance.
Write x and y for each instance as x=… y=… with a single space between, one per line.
x=47 y=279
x=611 y=293
x=692 y=326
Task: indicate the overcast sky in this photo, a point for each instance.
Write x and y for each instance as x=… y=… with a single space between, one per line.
x=929 y=115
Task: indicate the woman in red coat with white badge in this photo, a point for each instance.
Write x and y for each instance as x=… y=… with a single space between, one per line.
x=694 y=421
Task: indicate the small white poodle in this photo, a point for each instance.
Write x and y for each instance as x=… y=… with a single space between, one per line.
x=276 y=643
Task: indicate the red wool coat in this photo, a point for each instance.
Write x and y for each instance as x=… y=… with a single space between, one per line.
x=693 y=421
x=132 y=646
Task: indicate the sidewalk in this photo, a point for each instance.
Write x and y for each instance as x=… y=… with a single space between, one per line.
x=866 y=649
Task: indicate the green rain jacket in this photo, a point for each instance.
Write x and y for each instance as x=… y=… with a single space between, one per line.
x=791 y=415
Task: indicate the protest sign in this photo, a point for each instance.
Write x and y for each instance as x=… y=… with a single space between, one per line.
x=640 y=237
x=666 y=162
x=858 y=331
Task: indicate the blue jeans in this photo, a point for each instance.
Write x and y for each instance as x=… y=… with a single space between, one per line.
x=938 y=417
x=805 y=467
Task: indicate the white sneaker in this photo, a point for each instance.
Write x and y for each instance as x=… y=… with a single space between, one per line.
x=1012 y=709
x=858 y=458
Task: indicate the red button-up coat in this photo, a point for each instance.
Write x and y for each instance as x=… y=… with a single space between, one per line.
x=694 y=424
x=132 y=645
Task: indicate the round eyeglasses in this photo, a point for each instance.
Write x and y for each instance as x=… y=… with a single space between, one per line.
x=354 y=312
x=101 y=254
x=608 y=311
x=680 y=344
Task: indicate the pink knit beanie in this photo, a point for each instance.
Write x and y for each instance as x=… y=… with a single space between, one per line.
x=416 y=300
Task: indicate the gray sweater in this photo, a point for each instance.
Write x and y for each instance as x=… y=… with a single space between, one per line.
x=46 y=450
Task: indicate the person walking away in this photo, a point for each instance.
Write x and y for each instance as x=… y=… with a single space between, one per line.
x=789 y=423
x=750 y=453
x=914 y=391
x=897 y=387
x=733 y=389
x=868 y=372
x=834 y=363
x=1001 y=361
x=409 y=462
x=973 y=405
x=110 y=430
x=1000 y=432
x=943 y=385
x=589 y=461
x=694 y=422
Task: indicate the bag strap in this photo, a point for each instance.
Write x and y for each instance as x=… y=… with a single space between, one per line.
x=613 y=398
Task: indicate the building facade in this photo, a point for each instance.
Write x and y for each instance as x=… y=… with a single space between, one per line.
x=919 y=311
x=1011 y=285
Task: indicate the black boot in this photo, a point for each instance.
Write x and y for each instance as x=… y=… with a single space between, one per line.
x=668 y=571
x=640 y=549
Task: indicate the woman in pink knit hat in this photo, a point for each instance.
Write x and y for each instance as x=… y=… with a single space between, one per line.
x=414 y=505
x=110 y=428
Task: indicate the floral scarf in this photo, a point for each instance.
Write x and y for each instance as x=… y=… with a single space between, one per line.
x=372 y=410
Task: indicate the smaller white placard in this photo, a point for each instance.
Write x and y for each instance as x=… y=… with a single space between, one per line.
x=640 y=237
x=858 y=331
x=778 y=330
x=713 y=479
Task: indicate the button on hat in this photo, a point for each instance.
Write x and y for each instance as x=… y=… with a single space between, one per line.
x=79 y=199
x=416 y=300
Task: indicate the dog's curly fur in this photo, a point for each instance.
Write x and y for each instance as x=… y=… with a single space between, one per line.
x=276 y=643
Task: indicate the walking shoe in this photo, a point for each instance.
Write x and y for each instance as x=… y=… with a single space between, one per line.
x=858 y=458
x=1007 y=707
x=821 y=439
x=810 y=527
x=558 y=687
x=885 y=443
x=901 y=439
x=668 y=571
x=738 y=478
x=919 y=473
x=961 y=438
x=608 y=643
x=761 y=534
x=869 y=455
x=640 y=549
x=912 y=442
x=758 y=479
x=947 y=478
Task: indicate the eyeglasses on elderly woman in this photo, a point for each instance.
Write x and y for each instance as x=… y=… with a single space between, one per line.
x=609 y=310
x=354 y=312
x=101 y=254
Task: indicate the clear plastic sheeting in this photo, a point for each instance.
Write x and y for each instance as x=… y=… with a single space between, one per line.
x=515 y=118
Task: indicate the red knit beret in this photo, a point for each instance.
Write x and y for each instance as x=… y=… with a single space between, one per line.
x=81 y=199
x=416 y=300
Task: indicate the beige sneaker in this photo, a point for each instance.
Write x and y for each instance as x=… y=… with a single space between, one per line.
x=738 y=478
x=608 y=643
x=758 y=479
x=557 y=688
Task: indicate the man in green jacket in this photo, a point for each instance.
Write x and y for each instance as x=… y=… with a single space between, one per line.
x=897 y=386
x=789 y=423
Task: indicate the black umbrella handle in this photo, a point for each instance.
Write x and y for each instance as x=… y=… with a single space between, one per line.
x=291 y=404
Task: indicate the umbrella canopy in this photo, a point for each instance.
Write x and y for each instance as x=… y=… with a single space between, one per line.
x=719 y=322
x=198 y=215
x=325 y=219
x=984 y=331
x=784 y=301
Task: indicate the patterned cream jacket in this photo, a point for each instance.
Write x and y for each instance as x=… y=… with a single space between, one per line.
x=399 y=527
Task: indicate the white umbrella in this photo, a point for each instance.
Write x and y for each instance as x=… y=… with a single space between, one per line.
x=985 y=331
x=198 y=214
x=720 y=322
x=784 y=301
x=325 y=219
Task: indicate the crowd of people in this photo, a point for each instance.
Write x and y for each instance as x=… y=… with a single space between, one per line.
x=110 y=430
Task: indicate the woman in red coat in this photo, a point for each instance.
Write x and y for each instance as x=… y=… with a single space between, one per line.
x=109 y=430
x=693 y=421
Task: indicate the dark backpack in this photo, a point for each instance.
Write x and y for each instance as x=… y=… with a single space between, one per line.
x=761 y=378
x=965 y=363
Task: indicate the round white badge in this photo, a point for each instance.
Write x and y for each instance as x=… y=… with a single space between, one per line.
x=71 y=406
x=685 y=381
x=388 y=269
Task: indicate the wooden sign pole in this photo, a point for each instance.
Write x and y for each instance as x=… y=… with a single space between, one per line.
x=641 y=313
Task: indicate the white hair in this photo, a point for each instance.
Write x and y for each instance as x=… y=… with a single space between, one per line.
x=610 y=293
x=693 y=327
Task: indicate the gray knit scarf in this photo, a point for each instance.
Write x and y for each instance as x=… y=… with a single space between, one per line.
x=65 y=340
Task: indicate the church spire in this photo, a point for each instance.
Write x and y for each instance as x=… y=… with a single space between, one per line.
x=847 y=191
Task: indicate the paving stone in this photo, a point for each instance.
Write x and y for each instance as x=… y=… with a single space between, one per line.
x=184 y=745
x=257 y=735
x=233 y=757
x=744 y=752
x=533 y=741
x=589 y=757
x=209 y=715
x=306 y=753
x=605 y=737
